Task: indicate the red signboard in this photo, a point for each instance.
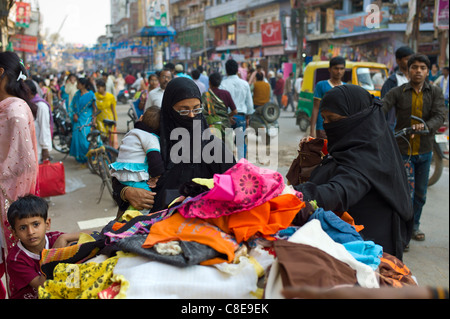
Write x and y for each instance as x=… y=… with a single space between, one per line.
x=271 y=33
x=23 y=14
x=24 y=43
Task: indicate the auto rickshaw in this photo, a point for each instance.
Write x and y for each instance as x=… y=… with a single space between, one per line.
x=368 y=75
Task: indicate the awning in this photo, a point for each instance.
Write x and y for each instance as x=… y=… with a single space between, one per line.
x=200 y=52
x=157 y=31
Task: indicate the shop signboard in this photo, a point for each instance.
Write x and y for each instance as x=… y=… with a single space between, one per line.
x=441 y=15
x=361 y=22
x=24 y=43
x=271 y=33
x=23 y=14
x=157 y=13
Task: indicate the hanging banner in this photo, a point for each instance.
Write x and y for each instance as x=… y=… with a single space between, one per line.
x=24 y=43
x=271 y=33
x=23 y=14
x=157 y=13
x=441 y=14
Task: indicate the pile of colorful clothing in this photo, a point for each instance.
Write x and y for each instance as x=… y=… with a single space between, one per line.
x=243 y=234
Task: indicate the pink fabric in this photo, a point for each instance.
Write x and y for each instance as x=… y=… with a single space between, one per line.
x=242 y=187
x=18 y=158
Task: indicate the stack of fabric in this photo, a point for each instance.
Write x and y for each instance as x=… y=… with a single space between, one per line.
x=243 y=234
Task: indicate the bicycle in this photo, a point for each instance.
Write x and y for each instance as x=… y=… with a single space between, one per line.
x=100 y=155
x=437 y=164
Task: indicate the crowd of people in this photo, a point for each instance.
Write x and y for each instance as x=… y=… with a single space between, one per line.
x=153 y=163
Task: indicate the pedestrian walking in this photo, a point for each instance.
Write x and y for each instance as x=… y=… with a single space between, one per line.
x=42 y=123
x=279 y=89
x=419 y=98
x=242 y=97
x=155 y=96
x=289 y=92
x=81 y=113
x=399 y=77
x=337 y=71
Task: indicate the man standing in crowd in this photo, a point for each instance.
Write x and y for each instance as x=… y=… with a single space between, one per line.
x=279 y=88
x=337 y=71
x=203 y=78
x=155 y=96
x=399 y=77
x=196 y=78
x=419 y=98
x=442 y=82
x=179 y=71
x=242 y=97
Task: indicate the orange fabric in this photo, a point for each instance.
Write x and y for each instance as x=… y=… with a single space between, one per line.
x=265 y=219
x=349 y=219
x=177 y=227
x=117 y=226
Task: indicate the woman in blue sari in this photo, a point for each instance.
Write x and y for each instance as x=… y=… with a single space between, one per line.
x=81 y=113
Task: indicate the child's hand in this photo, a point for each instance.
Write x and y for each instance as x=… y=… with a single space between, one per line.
x=152 y=182
x=65 y=239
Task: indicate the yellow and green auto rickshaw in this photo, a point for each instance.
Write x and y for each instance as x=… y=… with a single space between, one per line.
x=368 y=75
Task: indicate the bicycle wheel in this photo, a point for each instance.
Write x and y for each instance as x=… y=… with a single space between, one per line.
x=105 y=173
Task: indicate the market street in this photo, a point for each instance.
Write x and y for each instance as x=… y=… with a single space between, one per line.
x=78 y=209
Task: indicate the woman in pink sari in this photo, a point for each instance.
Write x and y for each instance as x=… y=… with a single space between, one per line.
x=18 y=150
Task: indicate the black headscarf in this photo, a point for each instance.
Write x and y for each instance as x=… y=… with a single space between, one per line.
x=177 y=174
x=364 y=142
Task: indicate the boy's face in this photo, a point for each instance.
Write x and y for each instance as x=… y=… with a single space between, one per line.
x=31 y=232
x=337 y=72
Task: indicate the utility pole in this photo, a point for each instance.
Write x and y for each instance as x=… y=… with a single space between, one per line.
x=300 y=39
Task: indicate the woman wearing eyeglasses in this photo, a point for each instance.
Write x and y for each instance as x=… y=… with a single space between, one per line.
x=189 y=150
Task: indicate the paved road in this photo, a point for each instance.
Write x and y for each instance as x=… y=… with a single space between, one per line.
x=428 y=260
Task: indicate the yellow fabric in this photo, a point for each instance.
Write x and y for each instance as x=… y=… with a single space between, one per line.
x=130 y=214
x=80 y=281
x=208 y=182
x=417 y=107
x=85 y=238
x=104 y=103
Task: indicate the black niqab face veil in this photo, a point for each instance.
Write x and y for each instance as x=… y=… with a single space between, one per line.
x=177 y=90
x=364 y=142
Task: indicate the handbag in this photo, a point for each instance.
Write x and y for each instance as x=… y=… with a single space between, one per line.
x=309 y=157
x=51 y=180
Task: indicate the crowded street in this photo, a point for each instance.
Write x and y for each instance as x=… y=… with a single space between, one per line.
x=219 y=150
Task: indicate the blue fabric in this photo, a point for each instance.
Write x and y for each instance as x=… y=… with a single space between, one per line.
x=366 y=252
x=340 y=231
x=141 y=184
x=132 y=167
x=82 y=105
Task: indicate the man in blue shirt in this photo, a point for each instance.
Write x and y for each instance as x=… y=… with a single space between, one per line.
x=337 y=71
x=242 y=98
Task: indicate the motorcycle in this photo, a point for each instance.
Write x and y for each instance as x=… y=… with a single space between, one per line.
x=62 y=130
x=123 y=96
x=266 y=117
x=440 y=152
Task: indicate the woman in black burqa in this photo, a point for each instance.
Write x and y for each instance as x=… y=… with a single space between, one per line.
x=363 y=173
x=186 y=152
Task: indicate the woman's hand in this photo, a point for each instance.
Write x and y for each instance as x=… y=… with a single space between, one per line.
x=139 y=198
